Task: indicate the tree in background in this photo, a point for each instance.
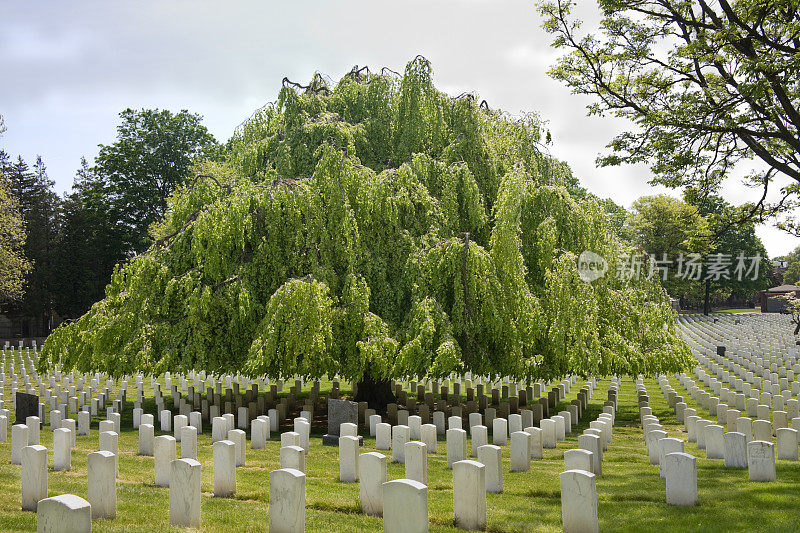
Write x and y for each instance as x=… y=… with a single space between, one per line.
x=792 y=274
x=708 y=85
x=377 y=229
x=152 y=156
x=668 y=228
x=14 y=266
x=91 y=244
x=40 y=208
x=730 y=238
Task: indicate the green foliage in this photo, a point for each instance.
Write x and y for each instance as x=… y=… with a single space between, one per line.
x=708 y=86
x=705 y=225
x=13 y=263
x=792 y=274
x=152 y=155
x=91 y=242
x=39 y=207
x=378 y=228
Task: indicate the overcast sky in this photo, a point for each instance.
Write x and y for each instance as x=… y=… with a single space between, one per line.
x=69 y=68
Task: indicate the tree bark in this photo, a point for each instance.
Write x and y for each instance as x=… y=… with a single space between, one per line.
x=377 y=393
x=706 y=303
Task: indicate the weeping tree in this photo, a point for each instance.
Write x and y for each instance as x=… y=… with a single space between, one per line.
x=377 y=229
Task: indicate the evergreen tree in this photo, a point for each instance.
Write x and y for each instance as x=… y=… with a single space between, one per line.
x=90 y=241
x=39 y=206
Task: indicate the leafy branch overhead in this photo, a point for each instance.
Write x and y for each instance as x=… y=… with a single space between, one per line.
x=376 y=228
x=708 y=85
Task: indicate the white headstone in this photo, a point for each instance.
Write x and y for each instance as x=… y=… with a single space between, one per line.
x=428 y=435
x=578 y=459
x=383 y=436
x=499 y=432
x=239 y=437
x=65 y=512
x=146 y=439
x=469 y=494
x=761 y=461
x=243 y=418
x=456 y=446
x=164 y=453
x=593 y=444
x=62 y=449
x=520 y=452
x=372 y=474
x=680 y=471
x=259 y=433
x=165 y=417
x=19 y=439
x=416 y=461
x=109 y=441
x=184 y=493
x=287 y=501
x=101 y=484
x=667 y=446
x=33 y=476
x=293 y=457
x=178 y=423
x=480 y=437
x=290 y=438
x=188 y=442
x=579 y=502
x=735 y=449
x=787 y=444
x=492 y=458
x=535 y=442
x=400 y=436
x=475 y=419
x=33 y=424
x=405 y=506
x=348 y=429
x=348 y=459
x=303 y=428
x=224 y=454
x=548 y=427
x=374 y=420
x=219 y=429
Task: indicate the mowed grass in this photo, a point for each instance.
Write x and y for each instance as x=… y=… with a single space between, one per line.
x=631 y=495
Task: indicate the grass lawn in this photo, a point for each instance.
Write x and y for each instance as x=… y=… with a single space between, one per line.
x=631 y=495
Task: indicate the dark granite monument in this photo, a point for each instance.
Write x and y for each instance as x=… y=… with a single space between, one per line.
x=27 y=405
x=340 y=412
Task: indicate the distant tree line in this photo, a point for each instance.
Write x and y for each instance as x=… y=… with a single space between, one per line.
x=67 y=247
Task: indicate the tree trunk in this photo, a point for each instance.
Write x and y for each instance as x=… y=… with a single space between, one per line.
x=706 y=303
x=377 y=393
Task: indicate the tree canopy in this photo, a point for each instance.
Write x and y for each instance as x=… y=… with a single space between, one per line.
x=13 y=263
x=377 y=228
x=792 y=274
x=708 y=257
x=151 y=157
x=708 y=85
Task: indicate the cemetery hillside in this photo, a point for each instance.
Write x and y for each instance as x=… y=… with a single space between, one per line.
x=375 y=229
